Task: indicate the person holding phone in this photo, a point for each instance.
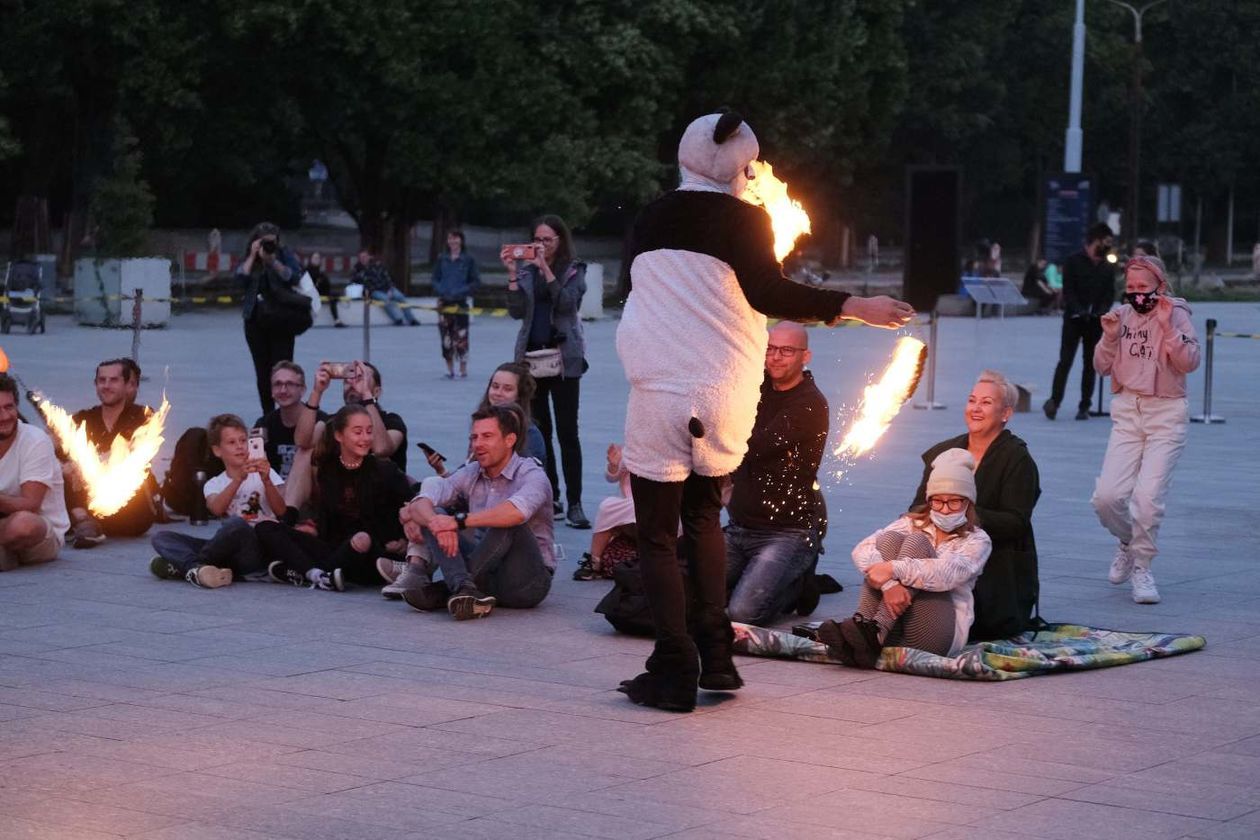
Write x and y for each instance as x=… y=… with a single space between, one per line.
x=455 y=281
x=268 y=266
x=362 y=386
x=545 y=294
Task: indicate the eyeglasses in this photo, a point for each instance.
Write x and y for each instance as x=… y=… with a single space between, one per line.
x=951 y=505
x=546 y=240
x=286 y=384
x=786 y=352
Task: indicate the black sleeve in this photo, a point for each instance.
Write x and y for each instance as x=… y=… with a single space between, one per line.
x=1020 y=487
x=760 y=276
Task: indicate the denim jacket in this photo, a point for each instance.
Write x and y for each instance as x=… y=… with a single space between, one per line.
x=455 y=280
x=253 y=281
x=566 y=302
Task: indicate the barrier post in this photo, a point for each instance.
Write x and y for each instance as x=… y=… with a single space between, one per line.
x=1207 y=417
x=367 y=326
x=931 y=402
x=137 y=308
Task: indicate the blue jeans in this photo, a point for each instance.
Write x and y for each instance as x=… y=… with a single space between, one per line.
x=391 y=299
x=234 y=546
x=503 y=562
x=764 y=570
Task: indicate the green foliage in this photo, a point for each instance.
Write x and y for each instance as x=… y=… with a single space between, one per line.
x=122 y=205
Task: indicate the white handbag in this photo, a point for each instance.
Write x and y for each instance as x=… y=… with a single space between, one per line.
x=544 y=363
x=307 y=287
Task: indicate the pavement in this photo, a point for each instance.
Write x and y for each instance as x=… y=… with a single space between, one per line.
x=133 y=707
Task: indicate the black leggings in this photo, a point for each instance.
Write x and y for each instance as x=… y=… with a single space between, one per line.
x=267 y=346
x=658 y=507
x=564 y=395
x=301 y=552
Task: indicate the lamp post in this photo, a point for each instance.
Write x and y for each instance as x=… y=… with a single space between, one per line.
x=1135 y=116
x=1073 y=140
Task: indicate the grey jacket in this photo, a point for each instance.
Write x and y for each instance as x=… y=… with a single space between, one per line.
x=566 y=301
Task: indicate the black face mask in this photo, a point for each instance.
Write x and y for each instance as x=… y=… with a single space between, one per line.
x=1142 y=302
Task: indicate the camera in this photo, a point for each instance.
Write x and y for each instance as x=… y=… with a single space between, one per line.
x=523 y=252
x=269 y=246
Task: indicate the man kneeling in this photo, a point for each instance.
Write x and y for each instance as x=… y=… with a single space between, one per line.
x=501 y=550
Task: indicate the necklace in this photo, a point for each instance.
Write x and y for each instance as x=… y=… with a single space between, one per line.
x=349 y=466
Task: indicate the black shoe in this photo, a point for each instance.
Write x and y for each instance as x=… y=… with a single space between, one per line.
x=1083 y=414
x=811 y=594
x=862 y=635
x=430 y=597
x=586 y=569
x=278 y=572
x=469 y=602
x=576 y=518
x=829 y=634
x=1051 y=408
x=714 y=640
x=660 y=691
x=557 y=510
x=162 y=568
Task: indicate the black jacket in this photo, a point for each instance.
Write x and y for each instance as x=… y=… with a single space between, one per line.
x=1007 y=488
x=1089 y=288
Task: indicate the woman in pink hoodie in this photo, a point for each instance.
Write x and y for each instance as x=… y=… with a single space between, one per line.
x=1147 y=348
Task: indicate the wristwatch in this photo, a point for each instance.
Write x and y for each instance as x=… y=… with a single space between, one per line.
x=461 y=521
x=366 y=403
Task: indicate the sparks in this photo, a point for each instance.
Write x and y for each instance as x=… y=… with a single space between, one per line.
x=113 y=480
x=882 y=400
x=787 y=216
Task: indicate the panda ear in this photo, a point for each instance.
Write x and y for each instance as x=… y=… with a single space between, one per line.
x=727 y=125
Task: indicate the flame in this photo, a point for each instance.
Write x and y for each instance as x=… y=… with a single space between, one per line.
x=787 y=216
x=113 y=481
x=882 y=400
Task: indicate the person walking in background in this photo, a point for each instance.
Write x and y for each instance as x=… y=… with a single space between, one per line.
x=1089 y=288
x=1148 y=346
x=270 y=274
x=545 y=295
x=455 y=281
x=371 y=273
x=323 y=285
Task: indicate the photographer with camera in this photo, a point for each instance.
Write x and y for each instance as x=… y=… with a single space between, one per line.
x=361 y=386
x=275 y=312
x=546 y=283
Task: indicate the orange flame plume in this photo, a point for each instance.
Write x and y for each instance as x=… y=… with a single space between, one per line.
x=113 y=480
x=882 y=400
x=787 y=216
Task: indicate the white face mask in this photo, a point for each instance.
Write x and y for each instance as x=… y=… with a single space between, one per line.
x=949 y=521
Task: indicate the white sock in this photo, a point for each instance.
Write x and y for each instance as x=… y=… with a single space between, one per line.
x=314 y=575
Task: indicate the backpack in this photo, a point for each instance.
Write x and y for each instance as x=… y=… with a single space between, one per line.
x=192 y=455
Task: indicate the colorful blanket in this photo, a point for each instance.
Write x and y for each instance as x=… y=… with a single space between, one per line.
x=1059 y=647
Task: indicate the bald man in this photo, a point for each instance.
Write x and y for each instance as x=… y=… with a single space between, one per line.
x=776 y=518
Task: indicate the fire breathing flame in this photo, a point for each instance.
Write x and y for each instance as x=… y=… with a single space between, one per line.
x=882 y=400
x=787 y=216
x=111 y=481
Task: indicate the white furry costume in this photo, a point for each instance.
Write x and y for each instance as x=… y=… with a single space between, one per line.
x=692 y=337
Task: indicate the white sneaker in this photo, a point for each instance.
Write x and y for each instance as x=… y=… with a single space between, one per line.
x=411 y=579
x=389 y=568
x=1144 y=591
x=1121 y=565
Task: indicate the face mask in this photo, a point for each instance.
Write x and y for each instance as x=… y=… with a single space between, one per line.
x=1142 y=302
x=949 y=521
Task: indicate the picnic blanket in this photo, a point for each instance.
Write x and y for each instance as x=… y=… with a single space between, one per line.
x=1058 y=647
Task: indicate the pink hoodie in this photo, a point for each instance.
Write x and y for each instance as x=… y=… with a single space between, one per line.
x=1147 y=355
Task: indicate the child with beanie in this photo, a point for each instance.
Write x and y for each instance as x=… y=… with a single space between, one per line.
x=918 y=573
x=1148 y=346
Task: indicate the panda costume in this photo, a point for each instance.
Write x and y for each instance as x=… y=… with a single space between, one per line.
x=692 y=339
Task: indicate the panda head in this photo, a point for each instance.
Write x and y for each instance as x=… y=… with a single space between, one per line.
x=720 y=149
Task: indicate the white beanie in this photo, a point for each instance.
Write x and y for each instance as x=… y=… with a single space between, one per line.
x=718 y=147
x=953 y=473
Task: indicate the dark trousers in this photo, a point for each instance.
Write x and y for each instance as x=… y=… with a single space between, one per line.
x=563 y=394
x=324 y=286
x=302 y=552
x=234 y=546
x=1085 y=332
x=503 y=562
x=659 y=507
x=267 y=346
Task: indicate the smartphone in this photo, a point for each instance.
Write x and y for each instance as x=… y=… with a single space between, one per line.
x=257 y=447
x=429 y=450
x=340 y=370
x=523 y=252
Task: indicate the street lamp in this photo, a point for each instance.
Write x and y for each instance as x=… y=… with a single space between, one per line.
x=1073 y=139
x=1135 y=115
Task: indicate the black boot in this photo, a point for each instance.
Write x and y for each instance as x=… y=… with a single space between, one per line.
x=862 y=635
x=829 y=634
x=715 y=638
x=669 y=683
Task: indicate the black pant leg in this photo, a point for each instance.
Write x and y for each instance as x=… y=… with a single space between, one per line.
x=298 y=550
x=565 y=394
x=540 y=408
x=704 y=544
x=658 y=506
x=1091 y=332
x=259 y=344
x=1069 y=338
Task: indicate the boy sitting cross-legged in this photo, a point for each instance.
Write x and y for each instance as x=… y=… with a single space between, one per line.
x=246 y=492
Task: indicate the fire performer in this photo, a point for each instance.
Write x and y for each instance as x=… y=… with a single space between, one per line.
x=692 y=340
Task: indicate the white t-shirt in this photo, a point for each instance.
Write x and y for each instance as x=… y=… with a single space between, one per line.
x=250 y=501
x=31 y=458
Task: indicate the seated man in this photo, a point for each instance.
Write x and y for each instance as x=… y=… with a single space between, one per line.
x=33 y=519
x=362 y=387
x=117 y=381
x=501 y=550
x=374 y=277
x=288 y=384
x=774 y=535
x=245 y=493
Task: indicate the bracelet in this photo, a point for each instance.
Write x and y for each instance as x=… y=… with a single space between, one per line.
x=311 y=407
